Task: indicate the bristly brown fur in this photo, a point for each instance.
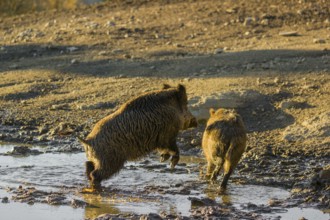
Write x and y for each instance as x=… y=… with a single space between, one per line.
x=143 y=124
x=224 y=141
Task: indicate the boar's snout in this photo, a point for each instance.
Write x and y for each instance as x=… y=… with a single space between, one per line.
x=190 y=121
x=193 y=123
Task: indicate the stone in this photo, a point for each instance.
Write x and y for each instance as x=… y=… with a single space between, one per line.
x=5 y=200
x=264 y=22
x=288 y=104
x=92 y=25
x=23 y=151
x=218 y=51
x=60 y=107
x=201 y=202
x=313 y=127
x=61 y=129
x=324 y=175
x=111 y=24
x=248 y=21
x=99 y=105
x=72 y=49
x=55 y=199
x=231 y=10
x=76 y=203
x=43 y=129
x=319 y=41
x=288 y=33
x=151 y=216
x=277 y=80
x=250 y=66
x=117 y=51
x=102 y=53
x=274 y=202
x=74 y=61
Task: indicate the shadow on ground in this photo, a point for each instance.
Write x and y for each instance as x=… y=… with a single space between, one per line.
x=86 y=61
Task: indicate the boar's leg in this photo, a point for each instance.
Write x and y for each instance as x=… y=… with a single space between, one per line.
x=225 y=179
x=166 y=153
x=209 y=170
x=229 y=166
x=96 y=179
x=89 y=168
x=164 y=157
x=218 y=166
x=174 y=151
x=175 y=160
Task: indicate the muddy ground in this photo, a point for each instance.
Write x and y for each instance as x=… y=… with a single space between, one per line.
x=62 y=71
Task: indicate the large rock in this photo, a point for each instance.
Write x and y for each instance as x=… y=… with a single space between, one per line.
x=317 y=126
x=199 y=106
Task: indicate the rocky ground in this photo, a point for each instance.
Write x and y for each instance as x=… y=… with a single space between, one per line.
x=62 y=71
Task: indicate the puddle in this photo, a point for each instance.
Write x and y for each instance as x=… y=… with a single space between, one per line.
x=39 y=211
x=307 y=213
x=142 y=187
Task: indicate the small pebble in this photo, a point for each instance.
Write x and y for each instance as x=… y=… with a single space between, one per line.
x=5 y=200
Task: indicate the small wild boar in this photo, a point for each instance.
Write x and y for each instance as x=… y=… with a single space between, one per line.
x=149 y=122
x=224 y=142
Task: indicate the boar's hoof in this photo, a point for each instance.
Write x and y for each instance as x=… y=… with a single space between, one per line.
x=213 y=179
x=207 y=177
x=164 y=157
x=221 y=190
x=193 y=123
x=174 y=161
x=90 y=190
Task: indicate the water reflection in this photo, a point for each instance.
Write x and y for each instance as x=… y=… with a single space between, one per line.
x=98 y=206
x=212 y=192
x=12 y=7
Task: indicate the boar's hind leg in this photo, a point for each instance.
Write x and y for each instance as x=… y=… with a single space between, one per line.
x=96 y=179
x=89 y=168
x=218 y=166
x=167 y=152
x=173 y=151
x=225 y=180
x=209 y=170
x=164 y=157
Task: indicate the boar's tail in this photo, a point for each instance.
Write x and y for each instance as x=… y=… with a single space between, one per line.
x=233 y=155
x=84 y=143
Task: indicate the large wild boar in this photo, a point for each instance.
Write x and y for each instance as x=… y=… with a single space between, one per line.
x=146 y=123
x=224 y=142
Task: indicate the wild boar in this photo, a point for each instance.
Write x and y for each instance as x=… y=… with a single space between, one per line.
x=148 y=122
x=224 y=141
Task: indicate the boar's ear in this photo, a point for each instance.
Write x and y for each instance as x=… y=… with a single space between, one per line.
x=182 y=95
x=212 y=111
x=166 y=86
x=181 y=88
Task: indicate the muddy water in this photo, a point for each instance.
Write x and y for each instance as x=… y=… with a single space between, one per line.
x=141 y=187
